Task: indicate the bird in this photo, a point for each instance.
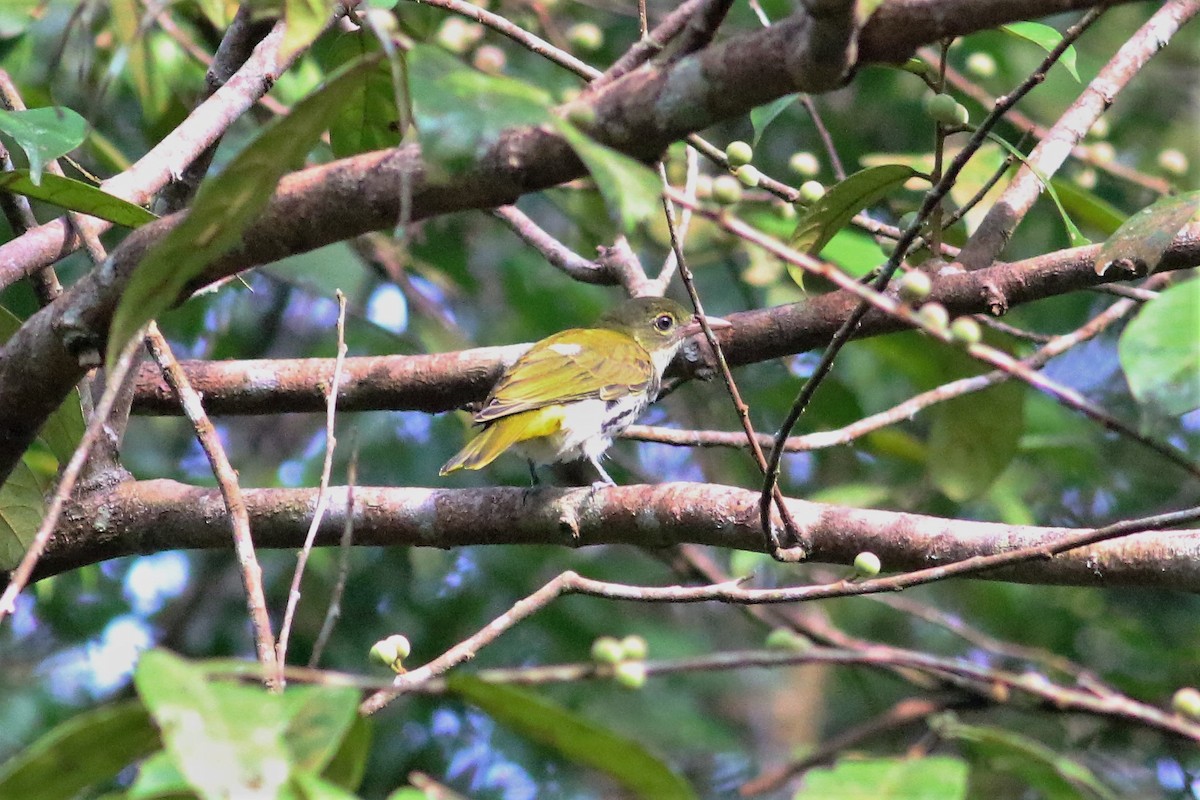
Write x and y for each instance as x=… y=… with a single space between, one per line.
x=572 y=392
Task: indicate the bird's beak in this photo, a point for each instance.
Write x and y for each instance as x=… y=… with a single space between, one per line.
x=714 y=323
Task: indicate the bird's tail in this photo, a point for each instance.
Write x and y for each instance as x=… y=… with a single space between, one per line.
x=502 y=434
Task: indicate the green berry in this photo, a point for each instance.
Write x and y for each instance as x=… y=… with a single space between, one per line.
x=1173 y=162
x=704 y=186
x=586 y=36
x=981 y=64
x=867 y=564
x=1186 y=701
x=945 y=109
x=933 y=316
x=391 y=651
x=788 y=640
x=1100 y=129
x=965 y=331
x=635 y=647
x=749 y=175
x=455 y=35
x=804 y=164
x=915 y=286
x=811 y=191
x=630 y=674
x=738 y=153
x=784 y=209
x=1103 y=152
x=607 y=650
x=726 y=190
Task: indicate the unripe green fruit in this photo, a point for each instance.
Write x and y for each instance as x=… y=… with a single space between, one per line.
x=966 y=331
x=586 y=36
x=945 y=109
x=704 y=186
x=981 y=64
x=630 y=674
x=1103 y=152
x=726 y=190
x=804 y=164
x=933 y=316
x=784 y=209
x=607 y=650
x=811 y=191
x=1173 y=161
x=635 y=647
x=738 y=153
x=749 y=175
x=915 y=286
x=788 y=640
x=391 y=651
x=1186 y=701
x=867 y=564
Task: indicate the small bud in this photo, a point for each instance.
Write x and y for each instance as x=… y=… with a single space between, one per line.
x=783 y=209
x=965 y=331
x=635 y=647
x=1186 y=701
x=586 y=36
x=804 y=164
x=915 y=286
x=981 y=64
x=607 y=650
x=933 y=316
x=1173 y=162
x=392 y=651
x=945 y=109
x=867 y=564
x=630 y=674
x=749 y=175
x=788 y=640
x=738 y=153
x=811 y=191
x=726 y=190
x=1103 y=153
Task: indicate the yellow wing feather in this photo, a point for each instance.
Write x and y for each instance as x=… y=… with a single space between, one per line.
x=503 y=434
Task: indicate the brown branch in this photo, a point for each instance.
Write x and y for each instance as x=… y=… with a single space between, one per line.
x=152 y=516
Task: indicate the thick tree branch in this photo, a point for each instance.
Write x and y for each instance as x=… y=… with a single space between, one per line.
x=153 y=516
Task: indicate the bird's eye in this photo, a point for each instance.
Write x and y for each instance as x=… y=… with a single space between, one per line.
x=664 y=322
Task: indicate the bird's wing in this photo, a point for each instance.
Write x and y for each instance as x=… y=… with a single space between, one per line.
x=571 y=365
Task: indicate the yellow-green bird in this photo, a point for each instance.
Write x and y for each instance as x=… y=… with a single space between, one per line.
x=571 y=393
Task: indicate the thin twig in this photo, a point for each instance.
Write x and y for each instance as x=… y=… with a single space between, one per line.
x=334 y=611
x=558 y=254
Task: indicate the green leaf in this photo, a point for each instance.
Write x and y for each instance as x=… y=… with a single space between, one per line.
x=1046 y=38
x=305 y=20
x=764 y=115
x=87 y=749
x=135 y=61
x=318 y=719
x=16 y=16
x=630 y=189
x=158 y=777
x=1053 y=776
x=44 y=134
x=573 y=737
x=1158 y=350
x=312 y=787
x=226 y=739
x=974 y=439
x=75 y=195
x=1145 y=236
x=1073 y=232
x=370 y=119
x=21 y=512
x=932 y=778
x=224 y=207
x=831 y=212
x=1087 y=207
x=349 y=764
x=460 y=111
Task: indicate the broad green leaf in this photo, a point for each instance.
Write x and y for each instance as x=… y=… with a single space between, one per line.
x=1053 y=776
x=856 y=252
x=135 y=62
x=1073 y=232
x=158 y=777
x=1145 y=236
x=370 y=119
x=1087 y=207
x=1158 y=350
x=931 y=778
x=226 y=739
x=312 y=787
x=764 y=115
x=224 y=207
x=16 y=16
x=836 y=207
x=460 y=111
x=88 y=749
x=630 y=189
x=348 y=765
x=574 y=738
x=21 y=511
x=44 y=134
x=1046 y=38
x=75 y=195
x=974 y=439
x=318 y=719
x=305 y=20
